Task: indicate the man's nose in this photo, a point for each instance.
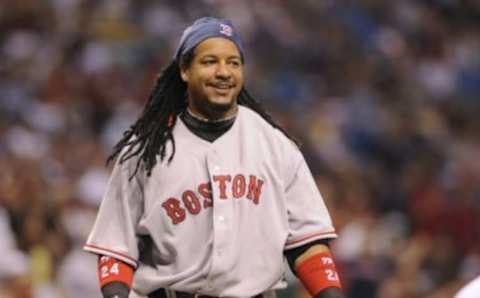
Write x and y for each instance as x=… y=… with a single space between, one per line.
x=222 y=70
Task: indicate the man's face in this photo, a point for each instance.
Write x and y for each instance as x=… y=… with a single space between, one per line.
x=214 y=78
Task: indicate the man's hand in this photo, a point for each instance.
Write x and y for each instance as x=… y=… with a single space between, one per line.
x=115 y=290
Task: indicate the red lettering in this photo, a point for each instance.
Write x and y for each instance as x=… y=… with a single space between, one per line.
x=191 y=202
x=205 y=190
x=238 y=186
x=174 y=211
x=222 y=180
x=254 y=189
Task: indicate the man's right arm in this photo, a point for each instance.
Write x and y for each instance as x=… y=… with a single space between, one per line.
x=115 y=277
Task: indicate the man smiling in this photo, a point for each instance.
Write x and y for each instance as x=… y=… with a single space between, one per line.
x=208 y=195
x=214 y=79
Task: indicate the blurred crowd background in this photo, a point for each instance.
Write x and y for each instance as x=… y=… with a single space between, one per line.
x=384 y=96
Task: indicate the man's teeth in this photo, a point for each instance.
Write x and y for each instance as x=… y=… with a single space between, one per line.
x=222 y=86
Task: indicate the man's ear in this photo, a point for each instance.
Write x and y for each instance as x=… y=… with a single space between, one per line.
x=184 y=73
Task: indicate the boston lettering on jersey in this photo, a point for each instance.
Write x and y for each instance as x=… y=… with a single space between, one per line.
x=228 y=186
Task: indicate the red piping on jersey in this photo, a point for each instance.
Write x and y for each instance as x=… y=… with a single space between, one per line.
x=111 y=251
x=309 y=236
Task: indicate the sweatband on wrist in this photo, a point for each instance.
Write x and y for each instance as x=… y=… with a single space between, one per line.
x=318 y=272
x=111 y=269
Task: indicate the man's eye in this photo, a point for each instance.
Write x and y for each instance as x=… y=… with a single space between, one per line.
x=208 y=62
x=235 y=63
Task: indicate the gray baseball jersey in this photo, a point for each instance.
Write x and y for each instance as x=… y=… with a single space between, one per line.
x=217 y=218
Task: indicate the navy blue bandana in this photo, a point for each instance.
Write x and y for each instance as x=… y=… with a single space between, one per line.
x=204 y=28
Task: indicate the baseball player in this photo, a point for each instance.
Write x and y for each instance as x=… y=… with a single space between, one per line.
x=208 y=195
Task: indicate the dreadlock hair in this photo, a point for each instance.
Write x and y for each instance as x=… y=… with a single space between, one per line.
x=148 y=136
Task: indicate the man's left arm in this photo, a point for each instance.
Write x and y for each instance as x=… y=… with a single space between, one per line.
x=309 y=230
x=314 y=266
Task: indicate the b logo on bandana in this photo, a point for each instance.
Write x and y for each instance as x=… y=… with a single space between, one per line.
x=226 y=30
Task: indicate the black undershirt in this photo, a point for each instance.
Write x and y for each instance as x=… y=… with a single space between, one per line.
x=209 y=131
